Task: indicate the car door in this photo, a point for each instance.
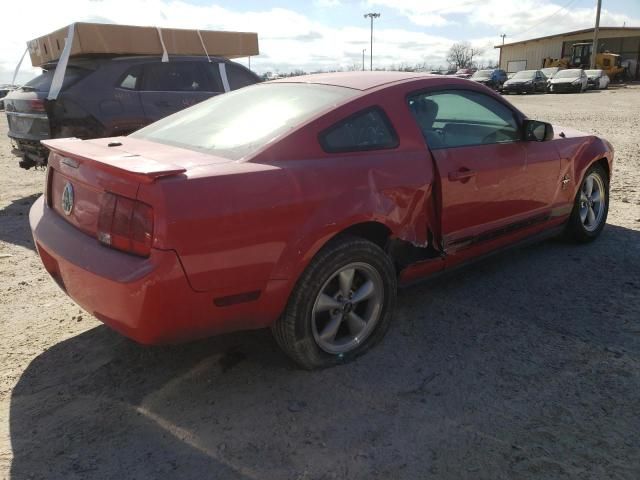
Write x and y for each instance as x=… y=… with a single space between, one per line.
x=168 y=87
x=490 y=180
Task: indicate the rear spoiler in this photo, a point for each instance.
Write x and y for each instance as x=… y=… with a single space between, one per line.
x=135 y=167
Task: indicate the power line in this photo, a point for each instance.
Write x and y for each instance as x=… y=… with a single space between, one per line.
x=546 y=18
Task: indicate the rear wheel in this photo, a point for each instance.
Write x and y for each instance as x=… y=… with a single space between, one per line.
x=591 y=206
x=341 y=305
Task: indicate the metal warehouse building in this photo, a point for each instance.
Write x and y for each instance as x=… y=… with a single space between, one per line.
x=530 y=54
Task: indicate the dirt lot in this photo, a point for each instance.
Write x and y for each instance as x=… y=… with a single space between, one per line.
x=524 y=366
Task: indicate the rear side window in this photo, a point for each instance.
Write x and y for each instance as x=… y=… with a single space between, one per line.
x=175 y=77
x=213 y=70
x=42 y=83
x=239 y=77
x=131 y=79
x=366 y=130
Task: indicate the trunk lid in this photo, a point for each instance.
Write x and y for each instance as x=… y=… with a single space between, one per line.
x=81 y=172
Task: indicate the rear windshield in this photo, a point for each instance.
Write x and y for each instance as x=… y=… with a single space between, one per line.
x=237 y=123
x=568 y=74
x=42 y=82
x=525 y=75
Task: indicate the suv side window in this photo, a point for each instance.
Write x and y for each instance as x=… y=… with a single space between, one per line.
x=175 y=77
x=239 y=77
x=366 y=130
x=458 y=118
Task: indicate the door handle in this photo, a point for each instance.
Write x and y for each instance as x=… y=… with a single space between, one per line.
x=461 y=175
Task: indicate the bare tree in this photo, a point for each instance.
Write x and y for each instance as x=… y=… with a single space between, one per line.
x=461 y=54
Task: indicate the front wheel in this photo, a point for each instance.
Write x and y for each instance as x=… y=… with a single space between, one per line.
x=591 y=206
x=341 y=305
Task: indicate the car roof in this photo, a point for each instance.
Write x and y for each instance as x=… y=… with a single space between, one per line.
x=359 y=80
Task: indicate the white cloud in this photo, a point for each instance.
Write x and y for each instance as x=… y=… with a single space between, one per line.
x=327 y=3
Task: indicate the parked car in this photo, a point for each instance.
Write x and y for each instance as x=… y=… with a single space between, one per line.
x=112 y=96
x=301 y=204
x=597 y=79
x=464 y=72
x=493 y=78
x=526 y=81
x=569 y=80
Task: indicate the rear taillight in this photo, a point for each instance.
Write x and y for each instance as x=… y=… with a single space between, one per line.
x=125 y=224
x=36 y=105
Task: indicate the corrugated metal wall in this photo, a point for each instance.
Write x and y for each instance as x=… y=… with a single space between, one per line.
x=533 y=52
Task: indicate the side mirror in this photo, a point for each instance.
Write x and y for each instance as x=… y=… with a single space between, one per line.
x=535 y=131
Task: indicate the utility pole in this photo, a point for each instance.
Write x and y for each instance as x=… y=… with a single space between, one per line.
x=503 y=35
x=594 y=47
x=371 y=16
x=363 y=50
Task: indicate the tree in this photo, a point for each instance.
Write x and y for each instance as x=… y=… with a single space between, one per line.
x=461 y=54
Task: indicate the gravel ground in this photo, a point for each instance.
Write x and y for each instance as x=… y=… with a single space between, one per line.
x=523 y=366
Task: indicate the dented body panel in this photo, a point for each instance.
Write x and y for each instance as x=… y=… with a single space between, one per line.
x=242 y=232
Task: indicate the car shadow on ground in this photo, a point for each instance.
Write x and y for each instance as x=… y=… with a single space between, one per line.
x=14 y=222
x=522 y=366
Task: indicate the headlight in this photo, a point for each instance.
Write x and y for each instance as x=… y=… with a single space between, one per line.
x=577 y=80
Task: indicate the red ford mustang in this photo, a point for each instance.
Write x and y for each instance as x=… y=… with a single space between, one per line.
x=301 y=205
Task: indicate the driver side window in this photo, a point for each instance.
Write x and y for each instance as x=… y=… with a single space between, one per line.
x=459 y=118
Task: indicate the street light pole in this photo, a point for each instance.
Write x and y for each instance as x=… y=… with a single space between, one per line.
x=594 y=47
x=363 y=50
x=371 y=16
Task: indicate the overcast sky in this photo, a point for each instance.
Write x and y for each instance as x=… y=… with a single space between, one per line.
x=323 y=34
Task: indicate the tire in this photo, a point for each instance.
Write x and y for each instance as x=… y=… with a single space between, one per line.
x=580 y=228
x=300 y=331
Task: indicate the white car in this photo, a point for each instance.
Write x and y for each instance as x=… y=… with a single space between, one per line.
x=597 y=79
x=570 y=80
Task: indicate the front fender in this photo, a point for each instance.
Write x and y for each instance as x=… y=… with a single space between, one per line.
x=580 y=151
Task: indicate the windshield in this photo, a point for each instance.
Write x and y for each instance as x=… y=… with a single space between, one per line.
x=568 y=74
x=549 y=72
x=525 y=75
x=482 y=74
x=592 y=73
x=236 y=124
x=42 y=82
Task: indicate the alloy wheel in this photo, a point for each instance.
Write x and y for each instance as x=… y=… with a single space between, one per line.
x=592 y=202
x=348 y=308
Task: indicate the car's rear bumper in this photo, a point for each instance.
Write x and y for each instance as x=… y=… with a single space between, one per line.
x=146 y=299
